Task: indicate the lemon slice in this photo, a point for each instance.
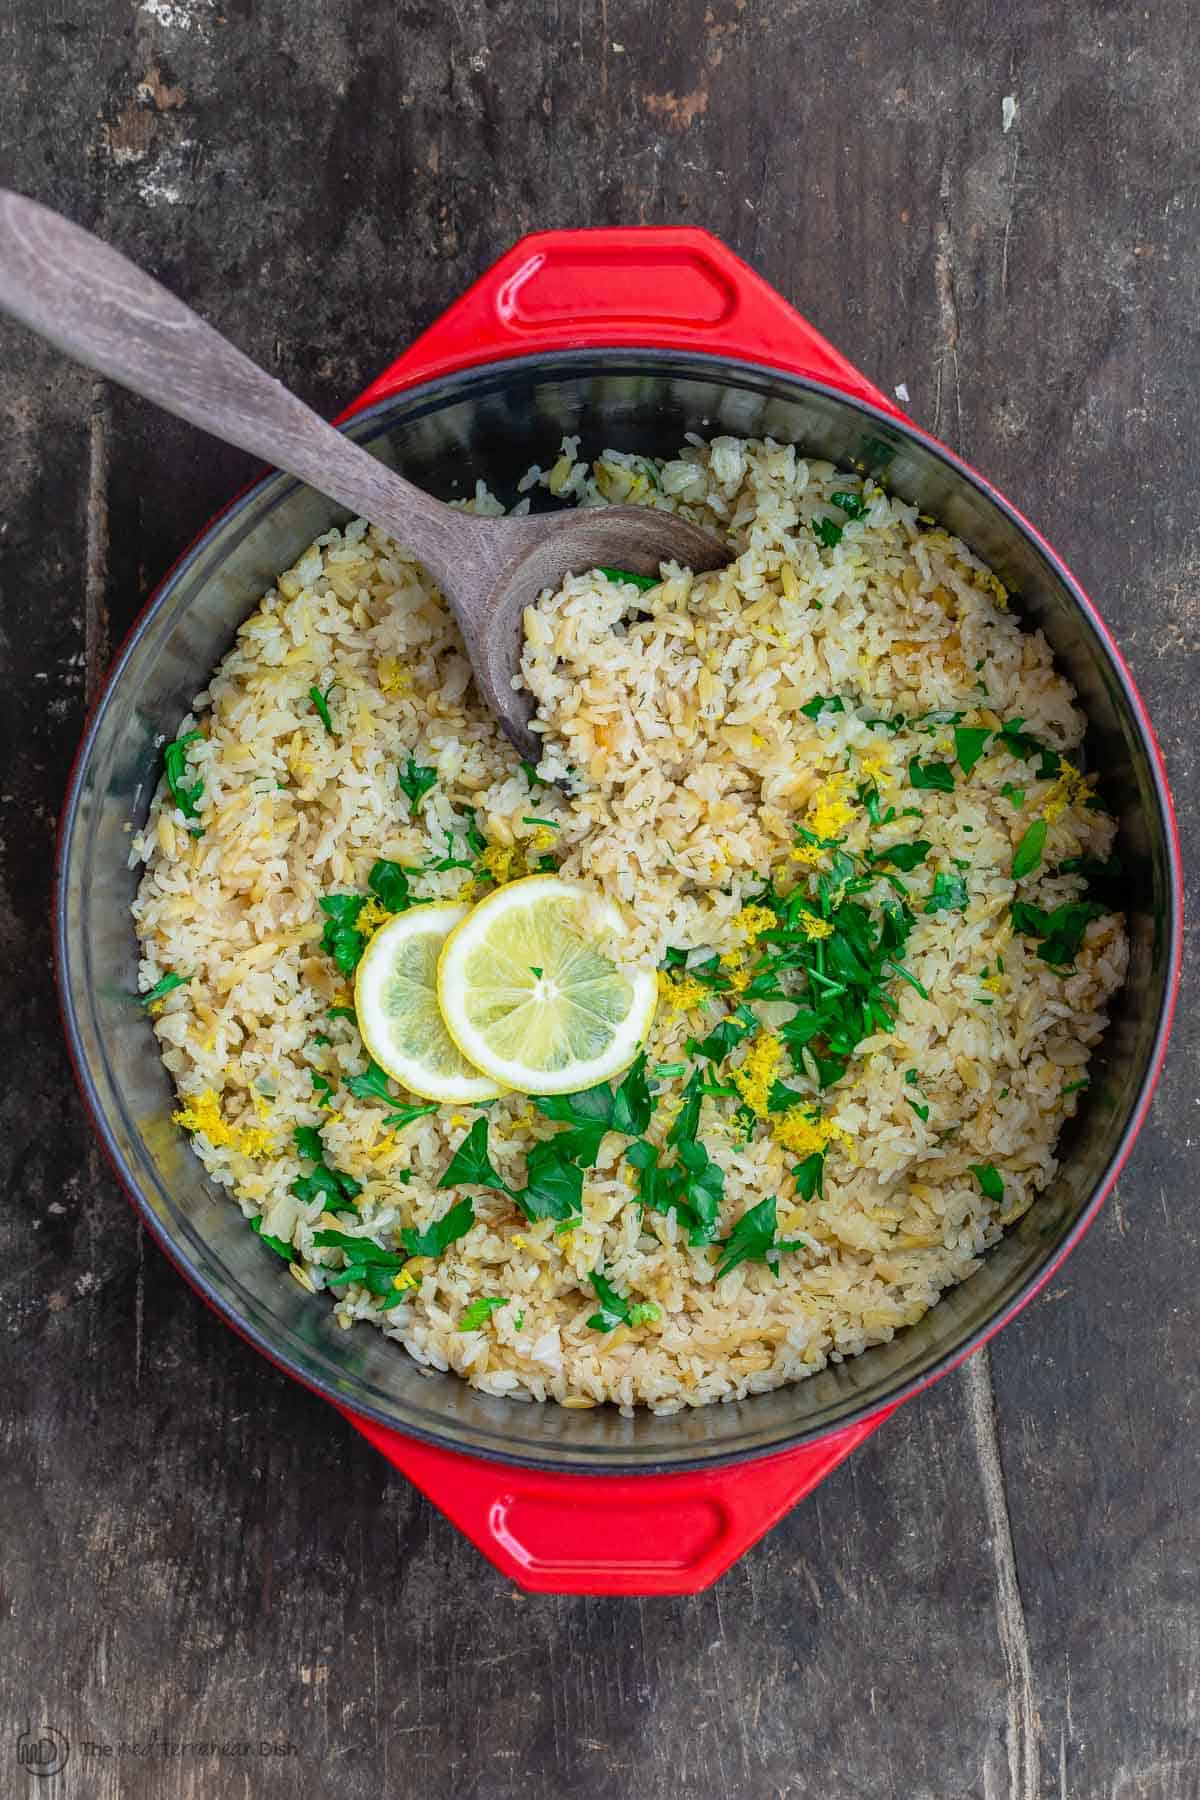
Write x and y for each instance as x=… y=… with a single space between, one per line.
x=395 y=998
x=529 y=996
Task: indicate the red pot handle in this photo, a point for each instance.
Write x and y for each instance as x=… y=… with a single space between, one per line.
x=613 y=1534
x=669 y=286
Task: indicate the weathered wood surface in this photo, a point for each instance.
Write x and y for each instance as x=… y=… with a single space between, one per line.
x=998 y=1596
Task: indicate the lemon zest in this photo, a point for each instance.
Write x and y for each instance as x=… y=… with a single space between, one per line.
x=755 y=1077
x=681 y=995
x=498 y=860
x=371 y=916
x=201 y=1113
x=793 y=1130
x=752 y=921
x=1070 y=789
x=410 y=1274
x=394 y=678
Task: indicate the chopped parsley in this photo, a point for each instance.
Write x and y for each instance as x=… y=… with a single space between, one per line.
x=1021 y=743
x=755 y=1238
x=592 y=1113
x=853 y=505
x=164 y=986
x=936 y=775
x=373 y=1085
x=1016 y=794
x=340 y=939
x=827 y=532
x=342 y=1012
x=322 y=1088
x=823 y=703
x=949 y=894
x=186 y=798
x=389 y=883
x=922 y=1112
x=273 y=1243
x=376 y=1269
x=990 y=1181
x=480 y=1311
x=1061 y=931
x=903 y=856
x=970 y=741
x=337 y=1190
x=438 y=1237
x=1028 y=853
x=615 y=1310
x=529 y=770
x=416 y=781
x=643 y=583
x=553 y=1183
x=321 y=702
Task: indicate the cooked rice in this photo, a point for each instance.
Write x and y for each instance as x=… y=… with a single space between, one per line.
x=675 y=720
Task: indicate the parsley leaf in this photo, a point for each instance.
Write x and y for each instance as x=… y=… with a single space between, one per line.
x=990 y=1181
x=285 y=1250
x=338 y=1191
x=826 y=532
x=922 y=1112
x=166 y=985
x=1016 y=794
x=529 y=770
x=613 y=1311
x=470 y=1166
x=597 y=1110
x=442 y=1233
x=755 y=1239
x=823 y=703
x=389 y=883
x=938 y=775
x=553 y=1185
x=643 y=583
x=321 y=702
x=970 y=742
x=1028 y=853
x=903 y=856
x=853 y=505
x=1061 y=930
x=480 y=1310
x=949 y=894
x=1021 y=743
x=373 y=1085
x=339 y=939
x=342 y=1012
x=810 y=1175
x=416 y=781
x=175 y=767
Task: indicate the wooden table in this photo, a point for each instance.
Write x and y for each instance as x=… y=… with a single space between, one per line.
x=998 y=1596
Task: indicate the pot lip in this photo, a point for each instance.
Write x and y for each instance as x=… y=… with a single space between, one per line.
x=605 y=1462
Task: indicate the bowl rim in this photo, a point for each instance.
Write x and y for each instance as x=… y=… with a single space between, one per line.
x=444 y=388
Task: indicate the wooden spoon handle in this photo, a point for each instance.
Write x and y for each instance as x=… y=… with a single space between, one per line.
x=101 y=309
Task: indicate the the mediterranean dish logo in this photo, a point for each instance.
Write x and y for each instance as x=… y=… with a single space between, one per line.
x=42 y=1752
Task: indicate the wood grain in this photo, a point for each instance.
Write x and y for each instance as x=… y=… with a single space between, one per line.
x=998 y=1596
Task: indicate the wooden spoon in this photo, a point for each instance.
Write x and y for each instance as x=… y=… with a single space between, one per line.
x=98 y=307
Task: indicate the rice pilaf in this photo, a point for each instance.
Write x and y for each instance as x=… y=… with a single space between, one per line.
x=848 y=717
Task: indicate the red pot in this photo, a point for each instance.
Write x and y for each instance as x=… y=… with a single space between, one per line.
x=631 y=337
